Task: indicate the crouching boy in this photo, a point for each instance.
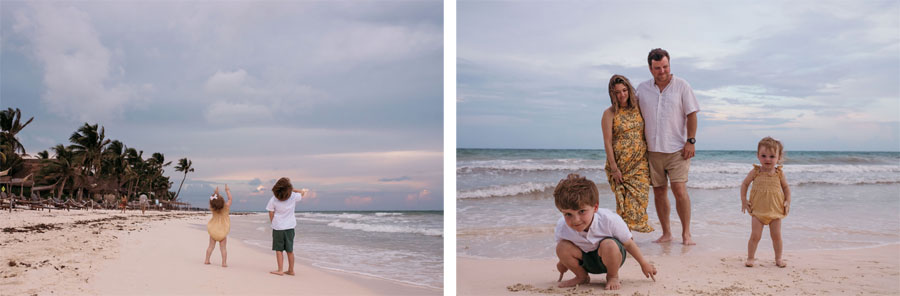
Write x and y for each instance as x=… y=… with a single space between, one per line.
x=590 y=239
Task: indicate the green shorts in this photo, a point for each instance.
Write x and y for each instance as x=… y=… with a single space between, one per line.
x=591 y=262
x=283 y=240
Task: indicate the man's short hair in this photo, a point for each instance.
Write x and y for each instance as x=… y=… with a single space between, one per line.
x=282 y=189
x=656 y=55
x=575 y=192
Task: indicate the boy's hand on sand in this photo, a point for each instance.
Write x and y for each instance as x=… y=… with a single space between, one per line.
x=649 y=270
x=562 y=270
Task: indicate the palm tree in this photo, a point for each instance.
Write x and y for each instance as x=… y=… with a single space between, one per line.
x=88 y=143
x=158 y=183
x=135 y=168
x=184 y=165
x=61 y=168
x=43 y=155
x=10 y=124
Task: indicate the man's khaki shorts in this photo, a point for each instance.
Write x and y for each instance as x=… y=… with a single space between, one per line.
x=671 y=166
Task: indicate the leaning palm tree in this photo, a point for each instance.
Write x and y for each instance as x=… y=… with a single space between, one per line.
x=63 y=167
x=184 y=165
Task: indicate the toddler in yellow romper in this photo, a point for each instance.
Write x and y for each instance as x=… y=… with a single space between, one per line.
x=770 y=198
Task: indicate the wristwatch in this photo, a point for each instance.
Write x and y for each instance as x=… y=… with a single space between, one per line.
x=692 y=140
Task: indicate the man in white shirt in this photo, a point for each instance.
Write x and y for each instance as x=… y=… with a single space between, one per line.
x=143 y=202
x=669 y=109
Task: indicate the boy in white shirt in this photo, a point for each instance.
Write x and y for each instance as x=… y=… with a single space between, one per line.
x=590 y=239
x=281 y=213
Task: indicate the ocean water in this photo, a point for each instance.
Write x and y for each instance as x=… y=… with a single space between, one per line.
x=405 y=247
x=839 y=200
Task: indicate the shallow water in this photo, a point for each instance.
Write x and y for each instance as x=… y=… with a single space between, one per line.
x=405 y=247
x=839 y=200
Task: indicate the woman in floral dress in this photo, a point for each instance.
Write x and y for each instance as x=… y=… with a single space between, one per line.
x=626 y=154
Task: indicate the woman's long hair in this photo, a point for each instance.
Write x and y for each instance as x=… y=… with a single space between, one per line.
x=632 y=97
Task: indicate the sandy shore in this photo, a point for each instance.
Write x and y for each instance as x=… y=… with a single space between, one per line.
x=869 y=271
x=109 y=253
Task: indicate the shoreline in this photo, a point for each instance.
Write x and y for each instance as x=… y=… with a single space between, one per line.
x=310 y=262
x=104 y=252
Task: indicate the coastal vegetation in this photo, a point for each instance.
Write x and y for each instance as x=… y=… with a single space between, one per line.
x=91 y=167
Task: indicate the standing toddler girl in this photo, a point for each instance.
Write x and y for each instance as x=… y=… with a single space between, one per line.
x=219 y=225
x=770 y=197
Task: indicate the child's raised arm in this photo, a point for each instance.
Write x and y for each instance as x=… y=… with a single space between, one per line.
x=745 y=205
x=787 y=193
x=648 y=269
x=228 y=192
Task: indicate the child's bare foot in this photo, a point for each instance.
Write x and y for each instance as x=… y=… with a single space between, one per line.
x=749 y=262
x=207 y=262
x=575 y=281
x=780 y=263
x=277 y=272
x=289 y=272
x=224 y=265
x=663 y=239
x=688 y=241
x=612 y=283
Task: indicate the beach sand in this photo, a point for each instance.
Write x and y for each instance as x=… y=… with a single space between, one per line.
x=104 y=252
x=866 y=271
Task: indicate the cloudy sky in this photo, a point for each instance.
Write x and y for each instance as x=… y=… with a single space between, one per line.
x=345 y=98
x=819 y=75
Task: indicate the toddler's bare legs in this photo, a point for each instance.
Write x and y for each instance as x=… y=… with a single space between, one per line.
x=290 y=270
x=755 y=235
x=212 y=245
x=279 y=257
x=775 y=232
x=569 y=254
x=224 y=252
x=611 y=258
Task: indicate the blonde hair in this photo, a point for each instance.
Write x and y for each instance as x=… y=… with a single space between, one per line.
x=575 y=192
x=774 y=145
x=632 y=97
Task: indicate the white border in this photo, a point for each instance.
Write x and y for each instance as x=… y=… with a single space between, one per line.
x=449 y=147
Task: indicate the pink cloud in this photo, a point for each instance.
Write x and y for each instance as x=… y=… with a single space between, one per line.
x=310 y=198
x=421 y=196
x=355 y=201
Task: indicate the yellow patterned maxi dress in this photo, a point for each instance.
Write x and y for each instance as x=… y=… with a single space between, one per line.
x=630 y=150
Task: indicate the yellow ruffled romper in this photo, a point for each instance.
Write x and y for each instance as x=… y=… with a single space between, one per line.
x=766 y=196
x=219 y=225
